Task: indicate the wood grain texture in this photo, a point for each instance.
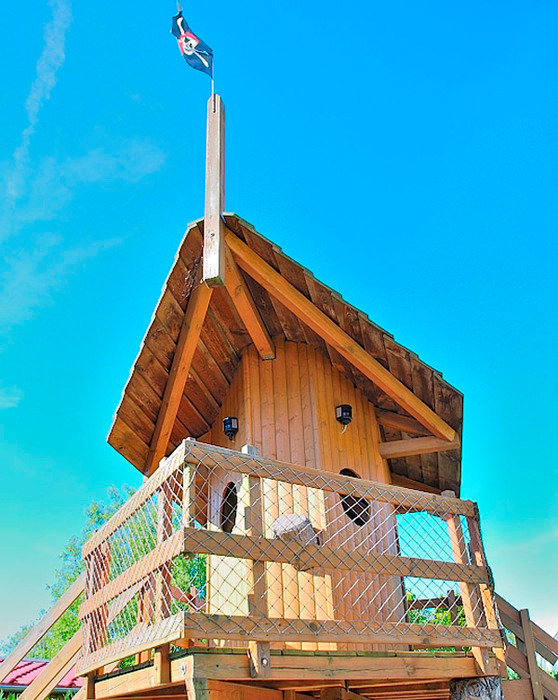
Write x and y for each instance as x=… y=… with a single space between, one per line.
x=277 y=286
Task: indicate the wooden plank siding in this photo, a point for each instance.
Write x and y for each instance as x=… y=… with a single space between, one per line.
x=224 y=338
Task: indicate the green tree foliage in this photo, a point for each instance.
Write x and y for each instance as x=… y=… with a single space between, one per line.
x=71 y=566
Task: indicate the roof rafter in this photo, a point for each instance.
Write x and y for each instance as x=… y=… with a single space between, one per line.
x=416 y=446
x=307 y=312
x=180 y=368
x=246 y=308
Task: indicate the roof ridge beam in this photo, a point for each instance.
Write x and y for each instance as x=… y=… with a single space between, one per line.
x=307 y=312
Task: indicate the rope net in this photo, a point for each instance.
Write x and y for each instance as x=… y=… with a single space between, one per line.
x=223 y=547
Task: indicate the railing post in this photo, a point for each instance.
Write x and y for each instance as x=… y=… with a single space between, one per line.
x=468 y=593
x=478 y=556
x=257 y=599
x=164 y=531
x=97 y=578
x=530 y=654
x=258 y=652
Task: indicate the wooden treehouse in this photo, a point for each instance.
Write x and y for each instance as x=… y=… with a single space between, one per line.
x=299 y=533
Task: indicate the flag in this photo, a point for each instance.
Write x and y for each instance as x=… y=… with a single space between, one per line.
x=195 y=51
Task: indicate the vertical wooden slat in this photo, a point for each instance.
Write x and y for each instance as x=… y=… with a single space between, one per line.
x=164 y=531
x=468 y=596
x=534 y=670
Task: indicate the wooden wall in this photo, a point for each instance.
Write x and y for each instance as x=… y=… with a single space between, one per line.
x=286 y=408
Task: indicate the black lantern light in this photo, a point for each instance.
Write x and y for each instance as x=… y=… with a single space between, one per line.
x=344 y=413
x=230 y=426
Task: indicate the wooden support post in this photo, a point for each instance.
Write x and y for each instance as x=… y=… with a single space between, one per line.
x=260 y=659
x=534 y=671
x=161 y=664
x=478 y=688
x=468 y=593
x=164 y=531
x=100 y=576
x=214 y=228
x=89 y=686
x=478 y=557
x=258 y=652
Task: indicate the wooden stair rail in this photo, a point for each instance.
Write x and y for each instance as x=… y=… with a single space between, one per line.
x=531 y=640
x=51 y=675
x=42 y=627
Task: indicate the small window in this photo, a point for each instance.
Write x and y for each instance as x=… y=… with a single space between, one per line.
x=229 y=508
x=357 y=509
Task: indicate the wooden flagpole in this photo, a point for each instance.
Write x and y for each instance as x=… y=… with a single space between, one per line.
x=214 y=229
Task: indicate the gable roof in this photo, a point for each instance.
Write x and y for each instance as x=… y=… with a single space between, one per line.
x=224 y=336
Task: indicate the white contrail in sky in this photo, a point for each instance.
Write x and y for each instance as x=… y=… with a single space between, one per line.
x=49 y=63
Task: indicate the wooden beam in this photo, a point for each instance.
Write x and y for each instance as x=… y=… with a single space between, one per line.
x=391 y=666
x=405 y=482
x=321 y=324
x=214 y=226
x=217 y=626
x=406 y=424
x=181 y=363
x=211 y=455
x=246 y=308
x=37 y=632
x=312 y=556
x=42 y=686
x=416 y=446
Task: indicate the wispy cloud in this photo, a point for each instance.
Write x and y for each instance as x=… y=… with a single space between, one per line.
x=10 y=396
x=52 y=184
x=32 y=275
x=33 y=192
x=50 y=61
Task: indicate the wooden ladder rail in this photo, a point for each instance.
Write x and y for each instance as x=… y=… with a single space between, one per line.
x=37 y=632
x=531 y=640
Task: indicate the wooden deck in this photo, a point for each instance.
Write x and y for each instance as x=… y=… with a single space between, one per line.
x=215 y=674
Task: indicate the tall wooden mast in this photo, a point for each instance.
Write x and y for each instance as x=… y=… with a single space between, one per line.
x=214 y=233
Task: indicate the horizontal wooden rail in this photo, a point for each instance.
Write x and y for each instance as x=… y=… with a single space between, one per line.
x=133 y=504
x=168 y=630
x=145 y=566
x=202 y=625
x=353 y=631
x=313 y=556
x=210 y=455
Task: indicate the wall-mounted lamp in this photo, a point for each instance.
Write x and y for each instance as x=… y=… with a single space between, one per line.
x=230 y=426
x=344 y=414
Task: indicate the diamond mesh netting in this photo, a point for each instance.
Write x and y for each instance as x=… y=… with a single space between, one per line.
x=222 y=547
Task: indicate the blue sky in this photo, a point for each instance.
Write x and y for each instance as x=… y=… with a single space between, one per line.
x=405 y=152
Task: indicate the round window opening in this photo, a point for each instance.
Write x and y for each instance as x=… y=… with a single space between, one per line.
x=229 y=508
x=357 y=509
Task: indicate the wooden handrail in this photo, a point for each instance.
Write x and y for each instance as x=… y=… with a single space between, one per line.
x=531 y=640
x=37 y=632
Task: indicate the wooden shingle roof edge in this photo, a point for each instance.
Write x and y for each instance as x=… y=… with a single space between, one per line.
x=136 y=414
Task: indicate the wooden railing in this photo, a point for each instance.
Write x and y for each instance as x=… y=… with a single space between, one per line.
x=288 y=555
x=527 y=647
x=51 y=675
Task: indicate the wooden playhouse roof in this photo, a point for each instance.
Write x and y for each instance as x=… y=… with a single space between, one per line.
x=219 y=349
